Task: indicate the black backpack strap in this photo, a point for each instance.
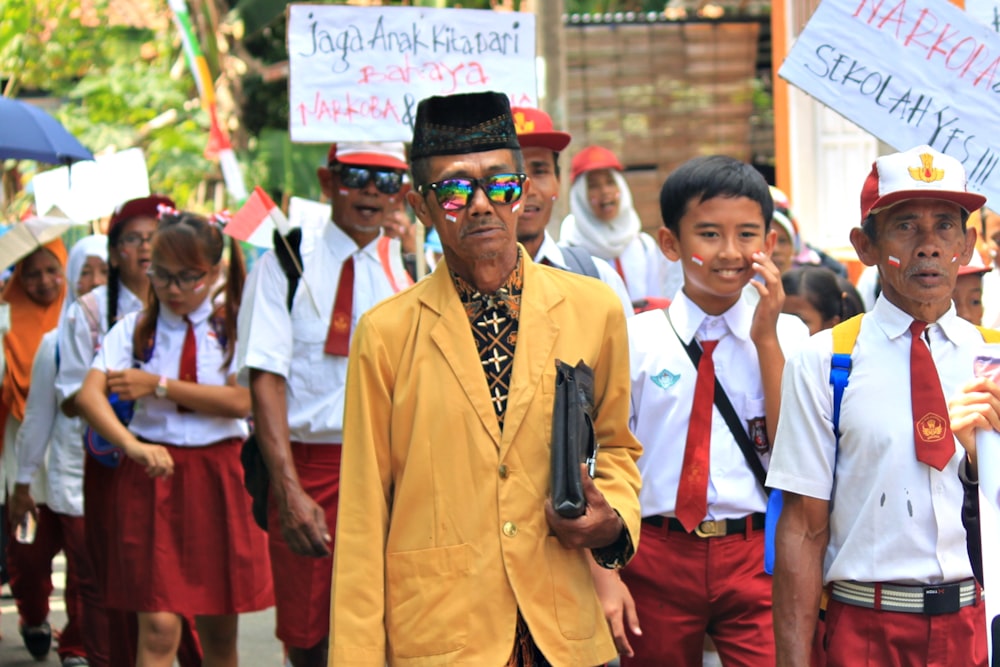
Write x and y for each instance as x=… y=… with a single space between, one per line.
x=285 y=249
x=579 y=261
x=729 y=414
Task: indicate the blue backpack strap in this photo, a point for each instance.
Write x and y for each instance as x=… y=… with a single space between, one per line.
x=845 y=335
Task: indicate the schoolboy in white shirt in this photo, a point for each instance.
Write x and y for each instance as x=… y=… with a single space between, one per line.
x=699 y=568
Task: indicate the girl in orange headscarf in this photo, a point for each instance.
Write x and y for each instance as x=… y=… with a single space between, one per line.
x=34 y=294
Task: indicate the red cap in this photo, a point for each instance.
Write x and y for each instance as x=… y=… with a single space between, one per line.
x=975 y=266
x=389 y=155
x=142 y=206
x=534 y=130
x=919 y=173
x=592 y=158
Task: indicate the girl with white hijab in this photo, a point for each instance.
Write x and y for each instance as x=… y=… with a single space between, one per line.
x=603 y=221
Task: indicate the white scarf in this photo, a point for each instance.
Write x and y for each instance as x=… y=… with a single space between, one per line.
x=606 y=240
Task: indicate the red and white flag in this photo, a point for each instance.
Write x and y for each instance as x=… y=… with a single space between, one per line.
x=256 y=221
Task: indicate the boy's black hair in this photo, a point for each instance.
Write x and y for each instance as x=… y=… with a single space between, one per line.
x=703 y=178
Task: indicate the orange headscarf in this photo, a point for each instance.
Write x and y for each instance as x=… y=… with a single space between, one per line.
x=28 y=323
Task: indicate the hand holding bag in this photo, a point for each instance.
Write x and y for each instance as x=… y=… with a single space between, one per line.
x=573 y=438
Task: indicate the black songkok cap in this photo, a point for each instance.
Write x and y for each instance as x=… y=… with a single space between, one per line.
x=467 y=123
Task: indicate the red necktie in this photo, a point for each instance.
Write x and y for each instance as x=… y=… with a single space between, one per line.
x=932 y=435
x=692 y=491
x=338 y=338
x=189 y=360
x=620 y=269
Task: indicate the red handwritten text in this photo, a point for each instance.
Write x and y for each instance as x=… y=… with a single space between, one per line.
x=347 y=110
x=451 y=77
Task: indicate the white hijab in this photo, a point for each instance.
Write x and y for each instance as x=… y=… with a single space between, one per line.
x=95 y=245
x=583 y=228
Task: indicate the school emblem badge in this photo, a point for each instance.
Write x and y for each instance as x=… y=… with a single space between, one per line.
x=665 y=379
x=926 y=172
x=931 y=427
x=341 y=322
x=757 y=430
x=523 y=125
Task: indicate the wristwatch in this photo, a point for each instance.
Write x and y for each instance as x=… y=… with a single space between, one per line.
x=161 y=387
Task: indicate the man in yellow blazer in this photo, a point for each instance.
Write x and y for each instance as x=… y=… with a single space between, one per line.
x=448 y=550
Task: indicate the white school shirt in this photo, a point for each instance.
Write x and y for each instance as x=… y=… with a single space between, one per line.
x=893 y=519
x=48 y=444
x=663 y=381
x=291 y=344
x=550 y=250
x=76 y=348
x=991 y=298
x=157 y=419
x=647 y=272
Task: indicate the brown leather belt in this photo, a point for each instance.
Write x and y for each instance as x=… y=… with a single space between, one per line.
x=718 y=528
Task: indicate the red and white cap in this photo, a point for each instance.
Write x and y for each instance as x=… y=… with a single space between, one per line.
x=919 y=173
x=975 y=265
x=389 y=155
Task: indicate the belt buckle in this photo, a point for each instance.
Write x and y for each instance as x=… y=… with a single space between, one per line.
x=710 y=528
x=943 y=599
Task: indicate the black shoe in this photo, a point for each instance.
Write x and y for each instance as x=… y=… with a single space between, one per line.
x=37 y=639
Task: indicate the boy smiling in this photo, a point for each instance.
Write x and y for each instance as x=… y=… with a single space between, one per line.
x=701 y=500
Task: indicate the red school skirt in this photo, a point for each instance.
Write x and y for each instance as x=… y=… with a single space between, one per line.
x=188 y=543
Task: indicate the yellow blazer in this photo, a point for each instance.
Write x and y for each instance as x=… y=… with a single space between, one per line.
x=441 y=532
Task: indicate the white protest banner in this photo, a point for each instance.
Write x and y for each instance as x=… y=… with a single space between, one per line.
x=90 y=190
x=910 y=72
x=986 y=12
x=360 y=71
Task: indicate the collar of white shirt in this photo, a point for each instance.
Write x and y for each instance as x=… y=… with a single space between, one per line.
x=550 y=250
x=688 y=319
x=894 y=322
x=197 y=316
x=343 y=246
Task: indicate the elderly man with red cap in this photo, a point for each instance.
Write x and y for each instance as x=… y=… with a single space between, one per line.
x=541 y=145
x=871 y=480
x=294 y=338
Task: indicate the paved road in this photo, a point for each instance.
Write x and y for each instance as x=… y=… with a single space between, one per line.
x=258 y=647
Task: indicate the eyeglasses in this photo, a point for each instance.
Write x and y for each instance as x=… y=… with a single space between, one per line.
x=387 y=181
x=454 y=194
x=186 y=281
x=134 y=239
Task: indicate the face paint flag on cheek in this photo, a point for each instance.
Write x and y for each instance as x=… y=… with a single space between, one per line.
x=515 y=208
x=450 y=218
x=697 y=260
x=894 y=261
x=343 y=192
x=954 y=258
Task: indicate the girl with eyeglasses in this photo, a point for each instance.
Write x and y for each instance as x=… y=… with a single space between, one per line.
x=87 y=320
x=185 y=543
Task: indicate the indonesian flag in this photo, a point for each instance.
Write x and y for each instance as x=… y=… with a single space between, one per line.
x=257 y=220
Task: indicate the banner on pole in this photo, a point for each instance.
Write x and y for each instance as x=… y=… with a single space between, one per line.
x=360 y=71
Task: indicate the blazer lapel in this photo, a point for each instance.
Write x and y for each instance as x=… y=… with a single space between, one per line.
x=453 y=338
x=536 y=337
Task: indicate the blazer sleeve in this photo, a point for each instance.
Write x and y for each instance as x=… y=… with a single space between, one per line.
x=617 y=475
x=357 y=612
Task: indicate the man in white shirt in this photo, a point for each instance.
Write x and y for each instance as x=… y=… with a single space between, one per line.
x=294 y=358
x=541 y=145
x=990 y=221
x=886 y=540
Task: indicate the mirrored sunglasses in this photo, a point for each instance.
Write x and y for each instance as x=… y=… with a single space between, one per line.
x=454 y=194
x=387 y=181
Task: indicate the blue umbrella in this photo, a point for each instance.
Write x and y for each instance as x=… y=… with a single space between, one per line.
x=28 y=133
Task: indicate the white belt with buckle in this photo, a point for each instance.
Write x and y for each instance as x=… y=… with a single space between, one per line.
x=907 y=599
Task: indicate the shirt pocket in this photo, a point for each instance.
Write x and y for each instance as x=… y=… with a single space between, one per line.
x=308 y=357
x=427 y=612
